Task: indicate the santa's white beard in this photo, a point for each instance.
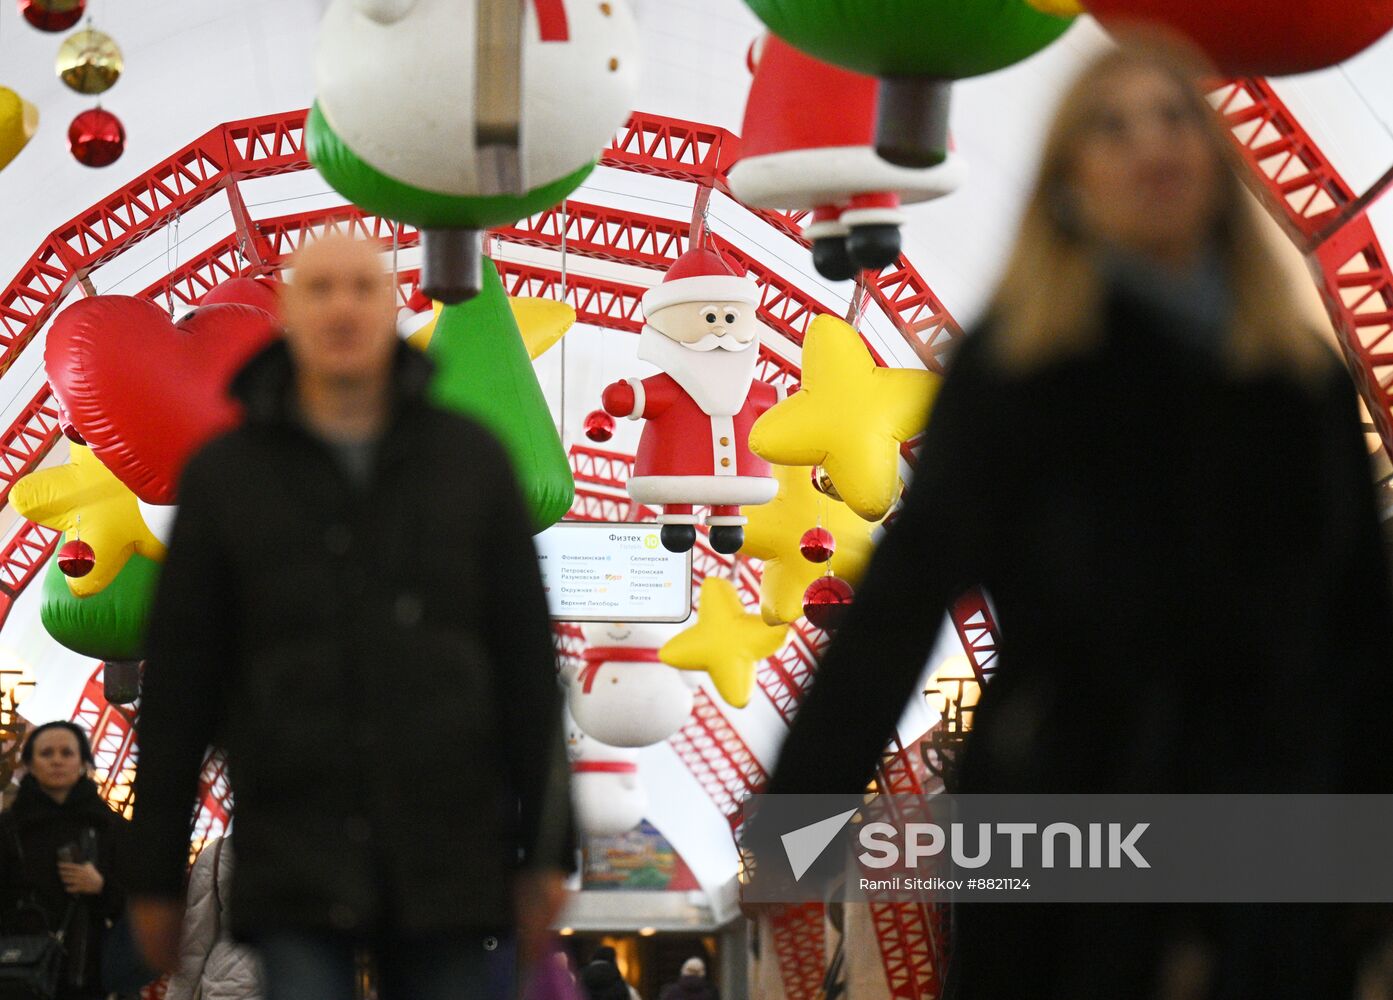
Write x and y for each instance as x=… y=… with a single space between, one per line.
x=719 y=380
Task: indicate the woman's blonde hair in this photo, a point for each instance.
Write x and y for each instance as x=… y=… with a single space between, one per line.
x=1050 y=299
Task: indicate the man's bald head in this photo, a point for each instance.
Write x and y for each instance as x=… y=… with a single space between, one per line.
x=340 y=310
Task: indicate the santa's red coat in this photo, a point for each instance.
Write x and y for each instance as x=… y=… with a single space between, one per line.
x=687 y=456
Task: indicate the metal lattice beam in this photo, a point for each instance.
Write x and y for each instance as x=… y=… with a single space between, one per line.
x=1309 y=197
x=29 y=438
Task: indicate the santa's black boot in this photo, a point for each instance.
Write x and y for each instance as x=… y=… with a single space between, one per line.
x=832 y=260
x=727 y=538
x=678 y=537
x=873 y=247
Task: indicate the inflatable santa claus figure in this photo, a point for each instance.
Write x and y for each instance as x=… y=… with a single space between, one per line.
x=701 y=330
x=808 y=144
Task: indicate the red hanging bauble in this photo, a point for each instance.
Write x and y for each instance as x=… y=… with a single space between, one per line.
x=96 y=138
x=52 y=15
x=826 y=601
x=817 y=545
x=65 y=425
x=822 y=482
x=599 y=426
x=76 y=558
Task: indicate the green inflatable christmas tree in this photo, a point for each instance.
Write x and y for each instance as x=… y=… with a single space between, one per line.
x=483 y=371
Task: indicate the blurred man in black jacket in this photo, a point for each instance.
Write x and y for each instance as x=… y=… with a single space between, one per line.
x=352 y=608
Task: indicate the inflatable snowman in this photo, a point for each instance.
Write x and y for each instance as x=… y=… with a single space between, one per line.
x=808 y=143
x=457 y=115
x=605 y=789
x=624 y=695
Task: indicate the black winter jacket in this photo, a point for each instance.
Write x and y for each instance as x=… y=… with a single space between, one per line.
x=32 y=897
x=689 y=988
x=601 y=980
x=1176 y=554
x=377 y=663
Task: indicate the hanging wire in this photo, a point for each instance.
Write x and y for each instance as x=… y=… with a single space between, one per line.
x=171 y=261
x=176 y=258
x=564 y=227
x=1368 y=105
x=396 y=277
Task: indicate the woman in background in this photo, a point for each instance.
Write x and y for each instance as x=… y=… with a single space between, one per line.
x=211 y=965
x=59 y=849
x=1159 y=474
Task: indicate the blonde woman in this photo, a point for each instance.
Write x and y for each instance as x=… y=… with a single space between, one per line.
x=1158 y=472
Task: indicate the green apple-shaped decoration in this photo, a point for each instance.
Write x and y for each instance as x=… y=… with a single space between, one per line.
x=483 y=371
x=384 y=195
x=916 y=47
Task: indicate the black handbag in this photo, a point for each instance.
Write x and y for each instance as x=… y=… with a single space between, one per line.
x=31 y=965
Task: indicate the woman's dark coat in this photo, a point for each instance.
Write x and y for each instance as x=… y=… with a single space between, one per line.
x=1192 y=596
x=377 y=662
x=32 y=897
x=600 y=980
x=689 y=988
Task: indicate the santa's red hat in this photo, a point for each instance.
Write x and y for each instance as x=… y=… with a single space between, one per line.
x=700 y=275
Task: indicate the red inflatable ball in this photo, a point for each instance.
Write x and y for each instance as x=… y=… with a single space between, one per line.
x=260 y=293
x=599 y=426
x=76 y=558
x=817 y=545
x=1260 y=37
x=96 y=138
x=826 y=602
x=52 y=15
x=65 y=426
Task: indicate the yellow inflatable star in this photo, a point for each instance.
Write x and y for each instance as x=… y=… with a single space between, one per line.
x=776 y=528
x=111 y=521
x=542 y=321
x=725 y=642
x=850 y=417
x=19 y=120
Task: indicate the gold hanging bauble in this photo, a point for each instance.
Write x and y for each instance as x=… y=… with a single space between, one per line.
x=90 y=62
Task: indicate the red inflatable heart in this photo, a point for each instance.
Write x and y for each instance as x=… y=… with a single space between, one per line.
x=260 y=292
x=145 y=393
